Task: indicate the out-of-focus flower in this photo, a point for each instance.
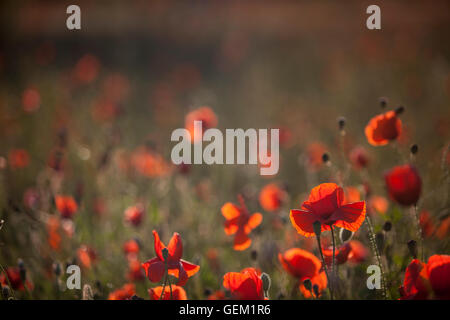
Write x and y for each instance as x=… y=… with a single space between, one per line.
x=31 y=100
x=178 y=293
x=443 y=228
x=135 y=272
x=31 y=198
x=54 y=236
x=177 y=267
x=125 y=293
x=240 y=223
x=359 y=157
x=66 y=206
x=404 y=184
x=271 y=197
x=116 y=87
x=204 y=114
x=105 y=110
x=18 y=158
x=217 y=295
x=378 y=204
x=303 y=265
x=326 y=205
x=13 y=275
x=87 y=256
x=131 y=247
x=426 y=224
x=134 y=214
x=353 y=251
x=314 y=152
x=149 y=163
x=351 y=194
x=244 y=285
x=383 y=128
x=423 y=281
x=87 y=69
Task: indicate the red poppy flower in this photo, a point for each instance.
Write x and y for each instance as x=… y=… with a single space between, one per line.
x=404 y=184
x=415 y=282
x=271 y=197
x=124 y=293
x=18 y=158
x=86 y=69
x=178 y=293
x=149 y=163
x=383 y=128
x=326 y=205
x=218 y=295
x=87 y=256
x=426 y=224
x=203 y=114
x=54 y=236
x=303 y=265
x=244 y=285
x=240 y=222
x=135 y=272
x=359 y=157
x=131 y=247
x=443 y=229
x=353 y=251
x=13 y=275
x=134 y=214
x=154 y=268
x=31 y=100
x=352 y=194
x=66 y=206
x=438 y=272
x=378 y=204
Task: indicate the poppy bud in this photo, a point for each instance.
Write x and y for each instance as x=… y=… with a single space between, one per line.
x=387 y=226
x=317 y=228
x=266 y=281
x=383 y=102
x=5 y=292
x=254 y=255
x=87 y=292
x=379 y=239
x=345 y=235
x=414 y=149
x=341 y=123
x=22 y=270
x=399 y=110
x=165 y=254
x=412 y=246
x=135 y=297
x=207 y=292
x=57 y=269
x=308 y=285
x=325 y=158
x=316 y=290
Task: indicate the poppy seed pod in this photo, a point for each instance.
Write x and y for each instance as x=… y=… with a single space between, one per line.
x=254 y=255
x=412 y=246
x=265 y=281
x=400 y=110
x=379 y=239
x=414 y=149
x=317 y=228
x=383 y=102
x=325 y=158
x=345 y=235
x=387 y=226
x=341 y=123
x=308 y=285
x=165 y=253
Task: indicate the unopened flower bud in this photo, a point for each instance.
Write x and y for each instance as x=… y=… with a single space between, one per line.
x=400 y=110
x=345 y=235
x=308 y=285
x=254 y=255
x=325 y=158
x=383 y=102
x=412 y=246
x=266 y=281
x=317 y=226
x=387 y=226
x=165 y=253
x=379 y=240
x=341 y=123
x=414 y=149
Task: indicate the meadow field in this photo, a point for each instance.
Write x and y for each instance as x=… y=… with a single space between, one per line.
x=86 y=176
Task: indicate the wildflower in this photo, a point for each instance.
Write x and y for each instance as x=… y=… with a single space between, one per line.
x=304 y=265
x=18 y=158
x=218 y=295
x=203 y=114
x=178 y=293
x=155 y=268
x=125 y=293
x=326 y=205
x=426 y=224
x=240 y=222
x=12 y=276
x=86 y=69
x=359 y=157
x=66 y=206
x=87 y=256
x=404 y=184
x=131 y=247
x=244 y=285
x=135 y=272
x=271 y=197
x=378 y=204
x=134 y=214
x=383 y=128
x=31 y=100
x=353 y=251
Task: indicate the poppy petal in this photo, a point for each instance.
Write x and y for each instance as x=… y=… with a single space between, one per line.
x=350 y=216
x=175 y=247
x=254 y=221
x=154 y=269
x=303 y=222
x=230 y=211
x=158 y=245
x=241 y=240
x=231 y=226
x=190 y=268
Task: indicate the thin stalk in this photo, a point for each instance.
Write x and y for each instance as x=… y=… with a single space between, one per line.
x=325 y=266
x=333 y=264
x=419 y=230
x=377 y=255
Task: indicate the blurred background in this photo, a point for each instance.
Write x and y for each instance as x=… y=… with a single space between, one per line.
x=87 y=105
